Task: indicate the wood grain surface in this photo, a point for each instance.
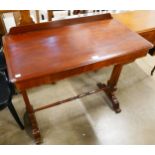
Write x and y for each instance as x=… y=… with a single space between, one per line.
x=51 y=54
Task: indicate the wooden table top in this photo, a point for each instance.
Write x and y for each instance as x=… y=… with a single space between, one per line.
x=69 y=50
x=139 y=21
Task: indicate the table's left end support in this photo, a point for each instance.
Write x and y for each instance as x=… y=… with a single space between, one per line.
x=31 y=116
x=35 y=129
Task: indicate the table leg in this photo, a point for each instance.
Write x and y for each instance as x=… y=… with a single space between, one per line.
x=32 y=118
x=110 y=88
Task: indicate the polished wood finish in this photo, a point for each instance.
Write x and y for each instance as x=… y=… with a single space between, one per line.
x=48 y=52
x=149 y=35
x=57 y=24
x=138 y=21
x=66 y=43
x=142 y=22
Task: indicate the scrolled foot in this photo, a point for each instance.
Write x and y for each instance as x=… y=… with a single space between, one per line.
x=110 y=94
x=31 y=127
x=118 y=110
x=114 y=102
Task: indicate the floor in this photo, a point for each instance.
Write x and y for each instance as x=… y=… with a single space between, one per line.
x=90 y=120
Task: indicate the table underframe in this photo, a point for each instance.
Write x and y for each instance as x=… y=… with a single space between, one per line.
x=108 y=88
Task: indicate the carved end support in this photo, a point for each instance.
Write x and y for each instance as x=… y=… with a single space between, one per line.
x=110 y=94
x=35 y=129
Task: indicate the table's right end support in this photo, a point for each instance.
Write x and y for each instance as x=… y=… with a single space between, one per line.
x=110 y=88
x=110 y=94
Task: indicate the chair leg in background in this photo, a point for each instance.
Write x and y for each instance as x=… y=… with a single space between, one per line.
x=153 y=70
x=15 y=115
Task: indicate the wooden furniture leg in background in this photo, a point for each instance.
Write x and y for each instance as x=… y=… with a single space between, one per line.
x=111 y=87
x=50 y=15
x=17 y=17
x=32 y=118
x=37 y=14
x=2 y=25
x=152 y=71
x=25 y=18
